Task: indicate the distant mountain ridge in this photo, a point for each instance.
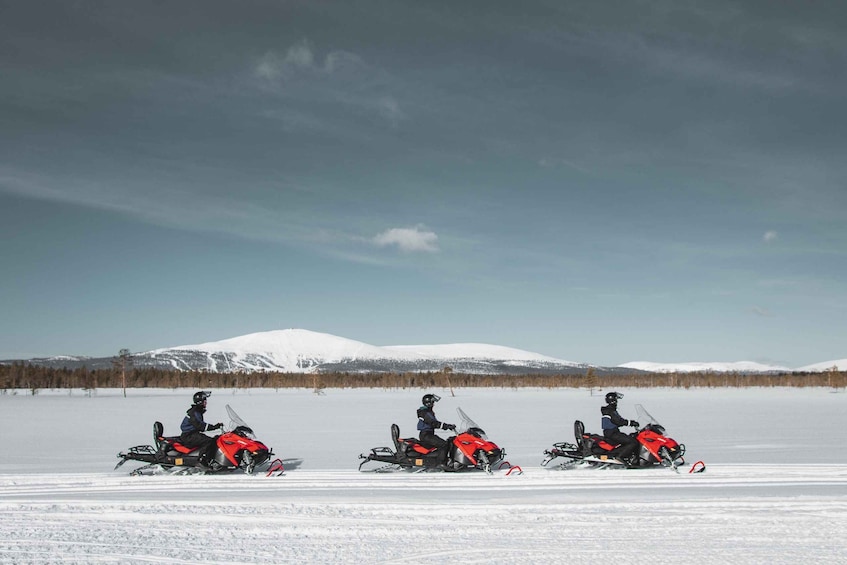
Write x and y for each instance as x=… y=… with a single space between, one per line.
x=297 y=350
x=305 y=351
x=737 y=367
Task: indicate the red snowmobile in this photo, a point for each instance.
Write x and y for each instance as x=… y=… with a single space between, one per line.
x=593 y=449
x=469 y=449
x=236 y=448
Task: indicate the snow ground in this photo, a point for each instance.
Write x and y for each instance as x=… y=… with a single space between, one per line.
x=774 y=490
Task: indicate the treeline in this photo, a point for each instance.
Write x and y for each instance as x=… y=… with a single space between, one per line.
x=34 y=378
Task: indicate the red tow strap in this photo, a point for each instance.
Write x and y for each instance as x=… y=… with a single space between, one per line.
x=275 y=468
x=698 y=467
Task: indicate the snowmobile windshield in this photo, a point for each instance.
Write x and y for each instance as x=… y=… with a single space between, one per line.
x=236 y=424
x=645 y=419
x=244 y=431
x=469 y=426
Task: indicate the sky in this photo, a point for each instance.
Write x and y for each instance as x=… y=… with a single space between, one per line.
x=598 y=182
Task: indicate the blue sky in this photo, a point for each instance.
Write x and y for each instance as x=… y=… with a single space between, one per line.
x=599 y=182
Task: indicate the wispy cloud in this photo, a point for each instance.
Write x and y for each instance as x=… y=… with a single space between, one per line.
x=301 y=57
x=553 y=162
x=718 y=60
x=390 y=109
x=779 y=283
x=164 y=201
x=770 y=236
x=409 y=240
x=705 y=66
x=336 y=78
x=762 y=312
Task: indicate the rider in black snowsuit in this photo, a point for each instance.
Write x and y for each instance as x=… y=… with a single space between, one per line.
x=629 y=446
x=193 y=427
x=428 y=423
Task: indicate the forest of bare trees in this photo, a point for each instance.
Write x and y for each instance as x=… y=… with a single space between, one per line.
x=34 y=378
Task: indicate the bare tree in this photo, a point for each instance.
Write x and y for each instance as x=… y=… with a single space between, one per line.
x=591 y=381
x=446 y=372
x=122 y=362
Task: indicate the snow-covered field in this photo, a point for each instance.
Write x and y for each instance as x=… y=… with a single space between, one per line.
x=775 y=488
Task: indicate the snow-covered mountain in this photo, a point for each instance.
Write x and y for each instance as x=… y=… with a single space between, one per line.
x=838 y=365
x=716 y=367
x=281 y=350
x=297 y=350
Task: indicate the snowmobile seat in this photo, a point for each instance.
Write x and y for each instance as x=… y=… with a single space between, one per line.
x=181 y=448
x=407 y=445
x=579 y=433
x=411 y=444
x=590 y=443
x=163 y=442
x=158 y=432
x=600 y=442
x=395 y=436
x=422 y=449
x=173 y=443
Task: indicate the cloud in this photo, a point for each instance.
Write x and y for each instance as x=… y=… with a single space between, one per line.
x=409 y=240
x=763 y=312
x=769 y=236
x=390 y=109
x=273 y=66
x=301 y=57
x=338 y=78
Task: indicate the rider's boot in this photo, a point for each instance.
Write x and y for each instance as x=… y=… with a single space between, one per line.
x=205 y=462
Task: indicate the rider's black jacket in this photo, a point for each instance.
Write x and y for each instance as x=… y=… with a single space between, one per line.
x=193 y=421
x=611 y=419
x=427 y=422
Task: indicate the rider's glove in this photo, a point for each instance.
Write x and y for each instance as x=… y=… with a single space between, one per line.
x=216 y=426
x=634 y=424
x=448 y=426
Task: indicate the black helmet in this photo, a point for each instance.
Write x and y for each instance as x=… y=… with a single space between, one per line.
x=201 y=395
x=429 y=400
x=612 y=397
